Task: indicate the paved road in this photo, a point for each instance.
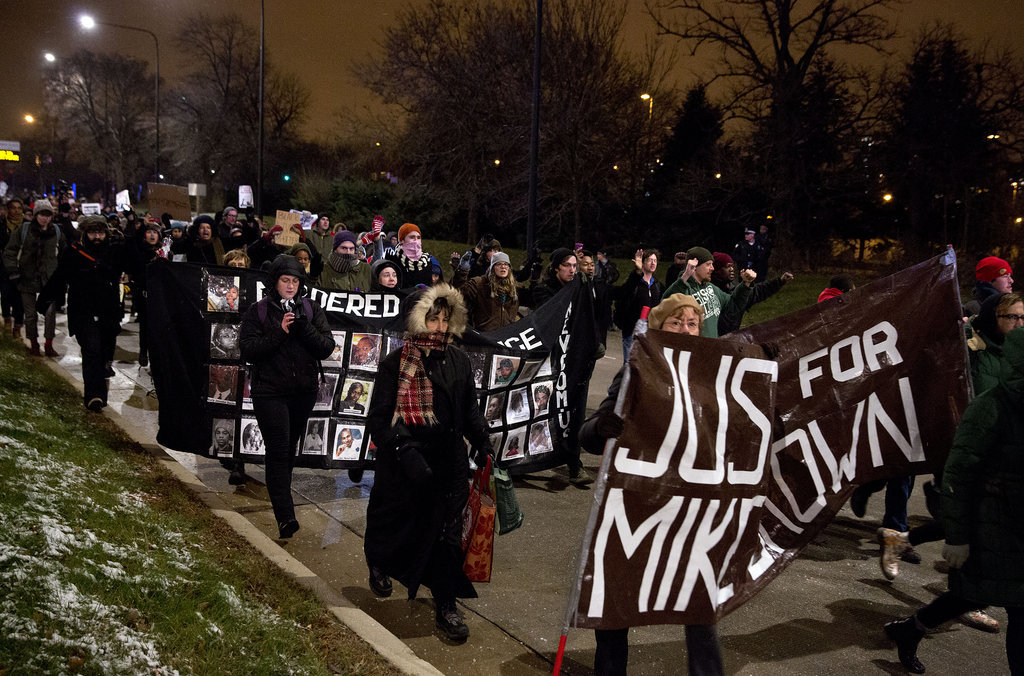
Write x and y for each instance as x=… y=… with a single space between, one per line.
x=822 y=616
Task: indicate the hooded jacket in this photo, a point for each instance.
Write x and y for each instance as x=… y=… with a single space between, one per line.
x=34 y=254
x=285 y=363
x=982 y=486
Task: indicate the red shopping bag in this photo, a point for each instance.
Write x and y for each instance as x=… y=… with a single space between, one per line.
x=478 y=527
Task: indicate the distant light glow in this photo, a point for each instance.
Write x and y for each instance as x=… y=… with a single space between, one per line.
x=87 y=22
x=49 y=57
x=887 y=197
x=30 y=119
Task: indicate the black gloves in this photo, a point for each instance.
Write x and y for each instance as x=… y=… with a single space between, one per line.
x=480 y=455
x=609 y=424
x=413 y=464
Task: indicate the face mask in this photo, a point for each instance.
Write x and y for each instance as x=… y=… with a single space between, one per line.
x=413 y=249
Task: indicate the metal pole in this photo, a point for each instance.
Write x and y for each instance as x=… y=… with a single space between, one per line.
x=156 y=43
x=531 y=217
x=259 y=161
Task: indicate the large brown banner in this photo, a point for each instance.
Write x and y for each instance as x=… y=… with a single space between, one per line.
x=730 y=463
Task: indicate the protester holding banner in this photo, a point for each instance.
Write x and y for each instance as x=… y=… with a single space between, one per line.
x=983 y=517
x=424 y=402
x=560 y=272
x=284 y=342
x=411 y=258
x=90 y=273
x=696 y=281
x=678 y=313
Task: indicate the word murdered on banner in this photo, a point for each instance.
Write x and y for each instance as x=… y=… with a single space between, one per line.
x=687 y=488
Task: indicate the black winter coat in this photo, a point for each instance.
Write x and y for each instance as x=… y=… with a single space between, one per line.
x=633 y=296
x=91 y=276
x=284 y=363
x=404 y=523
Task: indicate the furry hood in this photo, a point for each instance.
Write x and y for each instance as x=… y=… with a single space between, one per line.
x=421 y=302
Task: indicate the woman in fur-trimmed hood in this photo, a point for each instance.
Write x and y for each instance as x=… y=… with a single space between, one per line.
x=423 y=404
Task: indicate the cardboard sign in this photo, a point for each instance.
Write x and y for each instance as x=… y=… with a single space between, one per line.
x=92 y=208
x=245 y=197
x=169 y=199
x=122 y=200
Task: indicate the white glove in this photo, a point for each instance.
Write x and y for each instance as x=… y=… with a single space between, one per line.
x=956 y=555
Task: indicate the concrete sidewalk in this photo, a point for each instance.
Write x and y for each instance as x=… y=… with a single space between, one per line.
x=822 y=616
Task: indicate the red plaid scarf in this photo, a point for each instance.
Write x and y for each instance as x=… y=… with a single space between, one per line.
x=415 y=393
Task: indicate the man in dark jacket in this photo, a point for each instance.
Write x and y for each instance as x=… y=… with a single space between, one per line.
x=640 y=290
x=561 y=271
x=90 y=273
x=31 y=257
x=724 y=277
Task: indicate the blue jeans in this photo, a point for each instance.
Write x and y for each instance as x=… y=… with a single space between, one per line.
x=627 y=342
x=897 y=493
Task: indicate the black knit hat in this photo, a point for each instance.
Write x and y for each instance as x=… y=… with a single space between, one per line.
x=700 y=253
x=286 y=265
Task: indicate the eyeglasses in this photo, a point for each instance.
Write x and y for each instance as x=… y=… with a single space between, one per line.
x=1013 y=318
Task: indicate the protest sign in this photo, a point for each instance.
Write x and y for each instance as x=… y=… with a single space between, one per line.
x=695 y=514
x=537 y=368
x=122 y=200
x=91 y=208
x=245 y=200
x=169 y=199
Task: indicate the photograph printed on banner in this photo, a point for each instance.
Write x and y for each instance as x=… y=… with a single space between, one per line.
x=530 y=368
x=355 y=396
x=540 y=438
x=395 y=343
x=325 y=392
x=246 y=389
x=222 y=293
x=541 y=396
x=315 y=440
x=223 y=388
x=224 y=341
x=336 y=357
x=252 y=437
x=347 y=442
x=493 y=408
x=478 y=360
x=496 y=441
x=364 y=351
x=223 y=438
x=503 y=369
x=545 y=367
x=518 y=405
x=515 y=444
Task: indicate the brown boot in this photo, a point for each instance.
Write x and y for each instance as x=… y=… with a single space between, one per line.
x=33 y=348
x=8 y=324
x=48 y=348
x=16 y=331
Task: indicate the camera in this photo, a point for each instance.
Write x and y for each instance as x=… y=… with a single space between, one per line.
x=289 y=305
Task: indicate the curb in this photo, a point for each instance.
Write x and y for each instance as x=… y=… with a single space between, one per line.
x=389 y=646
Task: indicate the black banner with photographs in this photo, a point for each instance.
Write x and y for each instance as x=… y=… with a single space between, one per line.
x=532 y=376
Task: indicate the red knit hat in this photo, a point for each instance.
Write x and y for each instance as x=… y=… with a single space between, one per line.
x=991 y=267
x=722 y=259
x=406 y=229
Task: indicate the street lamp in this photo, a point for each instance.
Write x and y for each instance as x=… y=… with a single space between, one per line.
x=50 y=58
x=88 y=23
x=650 y=104
x=29 y=119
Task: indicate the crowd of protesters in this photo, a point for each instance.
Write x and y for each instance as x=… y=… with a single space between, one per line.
x=49 y=263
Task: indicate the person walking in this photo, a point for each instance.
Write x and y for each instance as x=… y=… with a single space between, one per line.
x=30 y=258
x=89 y=272
x=10 y=296
x=424 y=403
x=982 y=515
x=284 y=347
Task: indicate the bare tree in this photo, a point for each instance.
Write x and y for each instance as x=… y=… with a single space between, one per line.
x=103 y=101
x=780 y=60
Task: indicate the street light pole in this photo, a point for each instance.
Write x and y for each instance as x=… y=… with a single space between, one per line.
x=89 y=23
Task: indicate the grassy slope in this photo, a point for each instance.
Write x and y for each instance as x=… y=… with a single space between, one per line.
x=109 y=565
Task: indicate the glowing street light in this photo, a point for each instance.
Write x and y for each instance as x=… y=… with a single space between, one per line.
x=887 y=197
x=88 y=23
x=650 y=104
x=50 y=58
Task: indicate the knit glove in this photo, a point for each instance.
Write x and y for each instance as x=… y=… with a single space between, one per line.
x=956 y=555
x=466 y=260
x=413 y=464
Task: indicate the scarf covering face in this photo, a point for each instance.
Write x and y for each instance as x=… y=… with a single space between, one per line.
x=419 y=263
x=340 y=262
x=413 y=250
x=415 y=393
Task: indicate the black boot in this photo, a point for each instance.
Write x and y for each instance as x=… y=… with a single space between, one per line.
x=449 y=621
x=905 y=634
x=380 y=583
x=355 y=475
x=288 y=528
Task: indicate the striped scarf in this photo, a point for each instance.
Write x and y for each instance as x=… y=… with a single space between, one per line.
x=415 y=403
